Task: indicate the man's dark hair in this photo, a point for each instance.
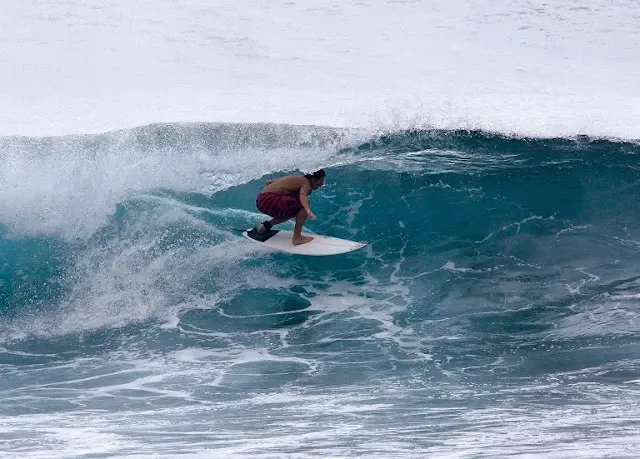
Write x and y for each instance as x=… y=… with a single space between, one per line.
x=316 y=175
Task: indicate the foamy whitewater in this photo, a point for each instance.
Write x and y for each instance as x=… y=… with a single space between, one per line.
x=487 y=152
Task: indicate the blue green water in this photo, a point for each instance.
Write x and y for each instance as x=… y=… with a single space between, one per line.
x=494 y=311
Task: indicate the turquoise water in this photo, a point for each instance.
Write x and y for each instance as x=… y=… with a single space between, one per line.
x=494 y=311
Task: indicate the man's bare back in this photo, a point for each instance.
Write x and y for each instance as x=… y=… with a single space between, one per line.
x=290 y=185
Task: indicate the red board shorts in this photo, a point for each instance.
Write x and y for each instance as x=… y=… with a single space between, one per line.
x=278 y=205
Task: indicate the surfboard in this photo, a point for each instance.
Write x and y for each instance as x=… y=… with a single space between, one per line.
x=319 y=246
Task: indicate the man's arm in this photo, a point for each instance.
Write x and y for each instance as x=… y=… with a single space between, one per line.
x=304 y=200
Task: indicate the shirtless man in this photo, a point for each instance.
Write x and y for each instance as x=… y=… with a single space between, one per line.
x=285 y=198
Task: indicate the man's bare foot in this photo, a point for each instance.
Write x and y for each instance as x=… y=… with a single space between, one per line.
x=297 y=240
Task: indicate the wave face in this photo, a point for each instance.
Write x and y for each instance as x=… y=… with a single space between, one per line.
x=494 y=311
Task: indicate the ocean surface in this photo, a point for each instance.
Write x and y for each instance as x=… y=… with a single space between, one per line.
x=488 y=152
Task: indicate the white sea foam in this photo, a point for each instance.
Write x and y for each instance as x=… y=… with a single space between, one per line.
x=559 y=68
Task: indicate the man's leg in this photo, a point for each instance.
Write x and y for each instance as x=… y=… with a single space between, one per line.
x=298 y=238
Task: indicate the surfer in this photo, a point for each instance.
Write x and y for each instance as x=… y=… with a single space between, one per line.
x=285 y=198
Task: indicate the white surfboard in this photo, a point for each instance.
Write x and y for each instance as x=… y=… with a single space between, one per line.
x=319 y=246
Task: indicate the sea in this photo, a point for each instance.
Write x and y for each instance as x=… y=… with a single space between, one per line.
x=488 y=152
